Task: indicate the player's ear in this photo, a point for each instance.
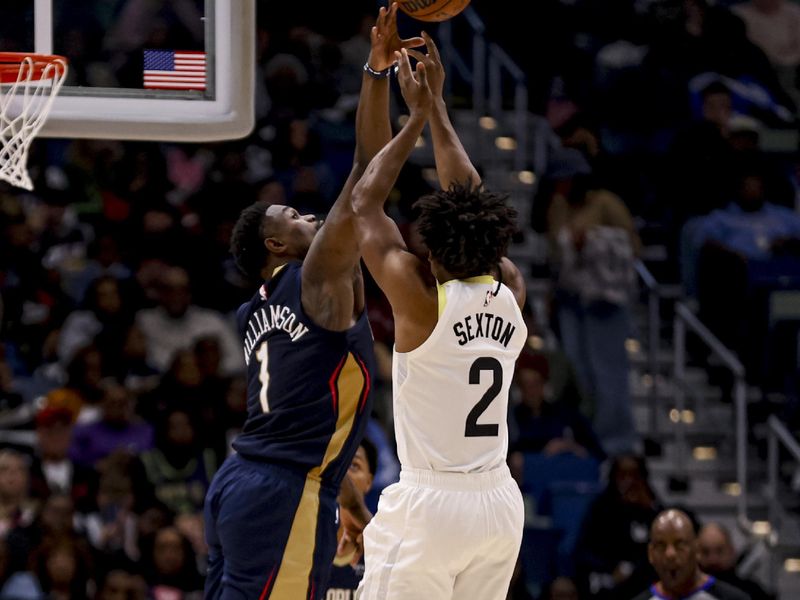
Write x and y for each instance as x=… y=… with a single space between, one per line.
x=275 y=246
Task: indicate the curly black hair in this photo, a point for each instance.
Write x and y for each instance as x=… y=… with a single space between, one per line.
x=466 y=228
x=247 y=240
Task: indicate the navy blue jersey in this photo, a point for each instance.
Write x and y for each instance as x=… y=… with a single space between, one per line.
x=308 y=388
x=344 y=581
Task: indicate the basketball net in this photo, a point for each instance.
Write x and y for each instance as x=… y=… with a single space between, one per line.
x=28 y=85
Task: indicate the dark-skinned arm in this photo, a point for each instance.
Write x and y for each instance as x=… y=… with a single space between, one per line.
x=384 y=251
x=332 y=292
x=452 y=162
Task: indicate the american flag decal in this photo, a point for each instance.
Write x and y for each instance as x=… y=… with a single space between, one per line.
x=174 y=70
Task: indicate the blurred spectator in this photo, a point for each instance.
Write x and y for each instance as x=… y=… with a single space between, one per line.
x=595 y=244
x=120 y=584
x=55 y=524
x=103 y=321
x=611 y=554
x=672 y=551
x=81 y=392
x=59 y=570
x=345 y=576
x=699 y=170
x=17 y=508
x=134 y=370
x=717 y=556
x=743 y=252
x=117 y=429
x=179 y=468
x=112 y=529
x=561 y=588
x=171 y=572
x=773 y=26
x=177 y=324
x=52 y=471
x=540 y=425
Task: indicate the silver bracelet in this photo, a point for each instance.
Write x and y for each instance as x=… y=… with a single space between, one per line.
x=377 y=74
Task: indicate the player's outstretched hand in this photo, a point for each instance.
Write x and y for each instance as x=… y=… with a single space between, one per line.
x=386 y=41
x=433 y=65
x=414 y=85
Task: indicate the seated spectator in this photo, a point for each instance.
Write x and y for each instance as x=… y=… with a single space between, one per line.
x=120 y=584
x=62 y=569
x=52 y=471
x=134 y=369
x=561 y=588
x=17 y=508
x=717 y=556
x=744 y=250
x=112 y=529
x=773 y=26
x=102 y=321
x=56 y=523
x=672 y=550
x=171 y=572
x=81 y=392
x=117 y=429
x=179 y=468
x=345 y=576
x=176 y=324
x=543 y=426
x=611 y=554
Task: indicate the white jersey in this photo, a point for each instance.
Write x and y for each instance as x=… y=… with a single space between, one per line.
x=451 y=393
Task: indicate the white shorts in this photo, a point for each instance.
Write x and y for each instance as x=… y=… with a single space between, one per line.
x=444 y=535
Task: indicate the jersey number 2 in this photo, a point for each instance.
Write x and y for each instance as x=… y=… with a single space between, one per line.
x=473 y=428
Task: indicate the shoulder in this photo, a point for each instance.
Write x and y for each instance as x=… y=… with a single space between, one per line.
x=726 y=591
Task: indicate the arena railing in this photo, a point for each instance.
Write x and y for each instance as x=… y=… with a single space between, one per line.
x=685 y=320
x=491 y=59
x=778 y=435
x=653 y=340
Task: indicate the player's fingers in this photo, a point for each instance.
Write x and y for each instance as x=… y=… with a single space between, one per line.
x=392 y=14
x=404 y=64
x=433 y=50
x=422 y=75
x=381 y=21
x=416 y=54
x=412 y=42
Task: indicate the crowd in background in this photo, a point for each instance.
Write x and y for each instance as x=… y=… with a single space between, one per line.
x=121 y=380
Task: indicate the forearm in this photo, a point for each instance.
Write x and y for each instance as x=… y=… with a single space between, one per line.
x=452 y=162
x=373 y=130
x=382 y=172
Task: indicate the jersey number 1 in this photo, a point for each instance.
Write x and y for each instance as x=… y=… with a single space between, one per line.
x=263 y=376
x=473 y=428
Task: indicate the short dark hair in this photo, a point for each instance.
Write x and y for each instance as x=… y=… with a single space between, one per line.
x=372 y=455
x=466 y=228
x=247 y=240
x=715 y=87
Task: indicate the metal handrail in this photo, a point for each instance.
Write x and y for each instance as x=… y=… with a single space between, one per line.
x=777 y=433
x=653 y=337
x=685 y=318
x=499 y=60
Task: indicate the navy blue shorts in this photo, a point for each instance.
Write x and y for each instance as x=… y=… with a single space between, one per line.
x=271 y=533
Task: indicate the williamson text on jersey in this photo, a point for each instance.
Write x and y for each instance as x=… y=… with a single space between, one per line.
x=267 y=319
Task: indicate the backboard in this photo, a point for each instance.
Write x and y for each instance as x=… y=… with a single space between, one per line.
x=172 y=70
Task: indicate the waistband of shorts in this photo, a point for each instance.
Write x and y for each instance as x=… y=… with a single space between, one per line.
x=446 y=480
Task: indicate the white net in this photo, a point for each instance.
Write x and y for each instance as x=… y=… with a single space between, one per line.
x=24 y=106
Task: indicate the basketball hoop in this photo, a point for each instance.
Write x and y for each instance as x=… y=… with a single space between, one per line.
x=28 y=85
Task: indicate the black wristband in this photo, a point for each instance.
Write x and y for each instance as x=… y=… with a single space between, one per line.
x=377 y=74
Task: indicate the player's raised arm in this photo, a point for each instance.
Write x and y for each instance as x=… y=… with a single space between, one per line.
x=381 y=244
x=452 y=162
x=328 y=290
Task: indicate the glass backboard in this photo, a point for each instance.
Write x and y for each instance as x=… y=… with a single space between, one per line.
x=179 y=70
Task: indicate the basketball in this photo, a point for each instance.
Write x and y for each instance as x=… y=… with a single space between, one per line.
x=432 y=10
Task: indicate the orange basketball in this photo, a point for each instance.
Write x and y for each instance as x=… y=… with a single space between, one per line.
x=432 y=10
